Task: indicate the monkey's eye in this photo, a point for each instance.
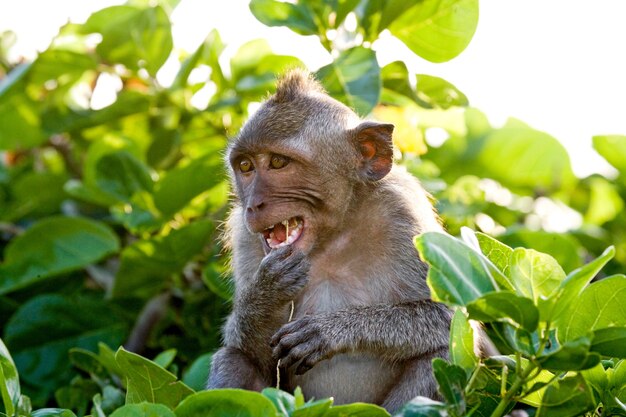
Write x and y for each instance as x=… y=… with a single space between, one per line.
x=278 y=161
x=245 y=165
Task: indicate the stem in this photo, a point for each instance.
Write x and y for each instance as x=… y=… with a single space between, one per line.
x=508 y=396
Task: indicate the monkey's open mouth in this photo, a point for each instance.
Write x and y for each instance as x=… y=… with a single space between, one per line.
x=283 y=233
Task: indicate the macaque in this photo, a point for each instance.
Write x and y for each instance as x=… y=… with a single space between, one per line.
x=323 y=219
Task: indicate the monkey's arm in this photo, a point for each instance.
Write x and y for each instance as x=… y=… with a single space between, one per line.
x=259 y=310
x=395 y=332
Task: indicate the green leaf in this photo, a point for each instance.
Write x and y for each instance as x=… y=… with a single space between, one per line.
x=180 y=185
x=457 y=273
x=295 y=16
x=284 y=402
x=451 y=380
x=87 y=361
x=148 y=382
x=521 y=157
x=395 y=79
x=438 y=93
x=505 y=306
x=46 y=327
x=354 y=79
x=462 y=342
x=599 y=306
x=535 y=275
x=423 y=407
x=571 y=356
x=35 y=194
x=377 y=15
x=564 y=297
x=562 y=247
x=437 y=30
x=207 y=53
x=143 y=410
x=197 y=374
x=165 y=358
x=610 y=342
x=226 y=402
x=497 y=252
x=605 y=203
x=69 y=120
x=54 y=246
x=566 y=397
x=133 y=36
x=9 y=381
x=248 y=57
x=356 y=410
x=147 y=264
x=120 y=175
x=52 y=412
x=613 y=149
x=319 y=408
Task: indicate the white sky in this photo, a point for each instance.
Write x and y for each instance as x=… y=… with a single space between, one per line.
x=558 y=65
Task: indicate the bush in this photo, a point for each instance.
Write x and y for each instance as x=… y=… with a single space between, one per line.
x=113 y=213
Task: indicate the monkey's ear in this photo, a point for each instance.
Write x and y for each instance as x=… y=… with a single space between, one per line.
x=376 y=146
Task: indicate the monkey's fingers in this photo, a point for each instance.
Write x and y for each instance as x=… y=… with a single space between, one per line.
x=287 y=343
x=289 y=328
x=309 y=362
x=294 y=356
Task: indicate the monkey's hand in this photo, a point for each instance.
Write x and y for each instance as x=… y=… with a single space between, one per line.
x=304 y=342
x=282 y=274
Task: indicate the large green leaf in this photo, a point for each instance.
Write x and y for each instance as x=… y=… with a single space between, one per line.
x=497 y=252
x=148 y=382
x=180 y=185
x=457 y=274
x=563 y=247
x=354 y=79
x=462 y=342
x=143 y=410
x=567 y=397
x=605 y=203
x=435 y=92
x=197 y=375
x=134 y=36
x=147 y=264
x=610 y=342
x=46 y=327
x=20 y=122
x=535 y=275
x=523 y=157
x=226 y=402
x=120 y=175
x=572 y=356
x=295 y=16
x=505 y=306
x=437 y=30
x=564 y=298
x=53 y=246
x=599 y=306
x=613 y=149
x=9 y=381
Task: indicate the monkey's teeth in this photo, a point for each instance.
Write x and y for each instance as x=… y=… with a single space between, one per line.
x=293 y=229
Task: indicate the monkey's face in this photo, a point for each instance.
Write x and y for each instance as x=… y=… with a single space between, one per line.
x=288 y=199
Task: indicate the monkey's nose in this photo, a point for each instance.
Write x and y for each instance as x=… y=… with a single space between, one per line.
x=254 y=207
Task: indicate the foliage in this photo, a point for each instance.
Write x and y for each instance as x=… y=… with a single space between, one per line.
x=110 y=214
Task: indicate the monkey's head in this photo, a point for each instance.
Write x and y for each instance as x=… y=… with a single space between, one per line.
x=300 y=159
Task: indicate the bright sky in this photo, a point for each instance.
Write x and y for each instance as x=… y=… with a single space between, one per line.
x=558 y=65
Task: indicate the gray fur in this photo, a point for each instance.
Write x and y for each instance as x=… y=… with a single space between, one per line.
x=364 y=327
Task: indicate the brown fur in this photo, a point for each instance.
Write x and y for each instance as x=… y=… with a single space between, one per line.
x=364 y=327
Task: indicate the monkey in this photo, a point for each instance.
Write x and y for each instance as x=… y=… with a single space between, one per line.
x=323 y=218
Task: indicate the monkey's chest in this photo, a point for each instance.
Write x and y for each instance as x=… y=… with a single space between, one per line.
x=348 y=378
